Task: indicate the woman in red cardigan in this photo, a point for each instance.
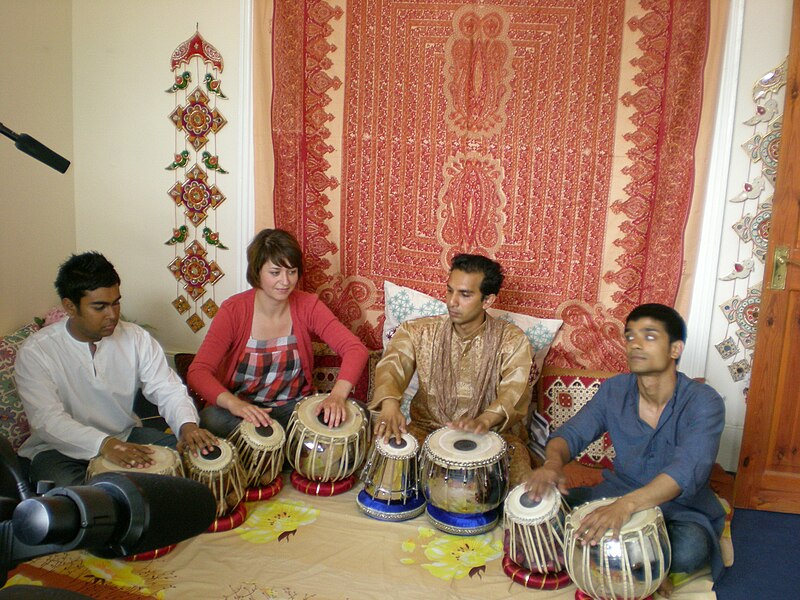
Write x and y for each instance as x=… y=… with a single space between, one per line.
x=256 y=360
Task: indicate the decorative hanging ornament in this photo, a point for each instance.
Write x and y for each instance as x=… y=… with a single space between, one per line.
x=195 y=194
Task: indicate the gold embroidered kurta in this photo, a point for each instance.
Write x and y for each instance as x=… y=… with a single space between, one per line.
x=414 y=348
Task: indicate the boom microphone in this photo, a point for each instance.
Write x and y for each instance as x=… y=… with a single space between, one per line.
x=115 y=515
x=36 y=149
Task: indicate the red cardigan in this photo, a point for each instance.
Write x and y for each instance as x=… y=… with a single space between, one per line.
x=212 y=369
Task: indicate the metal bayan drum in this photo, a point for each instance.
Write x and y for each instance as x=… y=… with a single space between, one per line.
x=391 y=480
x=322 y=453
x=221 y=471
x=166 y=461
x=534 y=531
x=464 y=478
x=260 y=451
x=629 y=568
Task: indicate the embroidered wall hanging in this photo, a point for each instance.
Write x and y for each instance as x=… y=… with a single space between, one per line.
x=744 y=276
x=196 y=66
x=557 y=138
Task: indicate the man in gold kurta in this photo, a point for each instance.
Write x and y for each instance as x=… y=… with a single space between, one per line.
x=473 y=369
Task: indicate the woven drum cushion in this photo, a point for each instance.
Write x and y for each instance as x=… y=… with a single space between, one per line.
x=13 y=422
x=404 y=304
x=326 y=369
x=561 y=394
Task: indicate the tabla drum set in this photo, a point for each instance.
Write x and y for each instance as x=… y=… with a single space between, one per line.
x=460 y=480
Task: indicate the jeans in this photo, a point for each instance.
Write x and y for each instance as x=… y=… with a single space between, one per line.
x=221 y=422
x=691 y=548
x=65 y=471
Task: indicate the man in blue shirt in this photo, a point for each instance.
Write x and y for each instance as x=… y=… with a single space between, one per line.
x=666 y=431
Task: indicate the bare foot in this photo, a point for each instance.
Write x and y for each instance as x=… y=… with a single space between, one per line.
x=665 y=589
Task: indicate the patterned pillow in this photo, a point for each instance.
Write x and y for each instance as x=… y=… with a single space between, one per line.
x=326 y=370
x=403 y=304
x=561 y=393
x=13 y=422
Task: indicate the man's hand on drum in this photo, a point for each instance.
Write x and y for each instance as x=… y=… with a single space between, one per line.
x=391 y=422
x=612 y=516
x=333 y=409
x=543 y=480
x=196 y=439
x=132 y=456
x=480 y=424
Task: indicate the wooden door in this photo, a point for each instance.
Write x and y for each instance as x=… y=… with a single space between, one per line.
x=769 y=463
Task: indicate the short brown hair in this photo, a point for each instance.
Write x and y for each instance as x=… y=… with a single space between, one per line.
x=276 y=246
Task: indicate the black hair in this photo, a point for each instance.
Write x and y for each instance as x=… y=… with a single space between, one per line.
x=475 y=263
x=82 y=273
x=667 y=316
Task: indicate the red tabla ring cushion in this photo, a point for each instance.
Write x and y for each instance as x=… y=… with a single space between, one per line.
x=531 y=579
x=264 y=492
x=151 y=554
x=321 y=488
x=579 y=595
x=230 y=521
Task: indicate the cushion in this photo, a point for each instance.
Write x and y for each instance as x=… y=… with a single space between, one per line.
x=561 y=393
x=403 y=304
x=326 y=370
x=13 y=421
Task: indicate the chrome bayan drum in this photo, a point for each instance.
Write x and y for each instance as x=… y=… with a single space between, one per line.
x=534 y=531
x=321 y=453
x=629 y=568
x=166 y=461
x=464 y=478
x=260 y=451
x=221 y=471
x=391 y=480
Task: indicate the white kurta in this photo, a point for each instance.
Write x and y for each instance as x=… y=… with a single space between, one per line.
x=74 y=400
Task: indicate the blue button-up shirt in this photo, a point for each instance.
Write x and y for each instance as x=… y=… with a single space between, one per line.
x=683 y=445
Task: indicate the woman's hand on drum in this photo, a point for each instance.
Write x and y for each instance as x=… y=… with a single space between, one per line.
x=132 y=456
x=333 y=409
x=612 y=516
x=245 y=410
x=196 y=439
x=391 y=421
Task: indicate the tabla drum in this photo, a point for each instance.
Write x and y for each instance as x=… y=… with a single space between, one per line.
x=630 y=568
x=221 y=471
x=166 y=461
x=464 y=478
x=320 y=453
x=391 y=480
x=260 y=451
x=533 y=539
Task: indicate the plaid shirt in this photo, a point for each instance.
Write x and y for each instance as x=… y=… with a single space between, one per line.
x=269 y=372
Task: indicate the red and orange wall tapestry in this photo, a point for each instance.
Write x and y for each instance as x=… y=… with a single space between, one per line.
x=556 y=137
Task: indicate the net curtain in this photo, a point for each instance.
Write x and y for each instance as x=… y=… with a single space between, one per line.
x=565 y=139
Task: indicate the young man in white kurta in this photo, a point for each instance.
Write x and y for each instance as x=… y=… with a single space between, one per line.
x=78 y=379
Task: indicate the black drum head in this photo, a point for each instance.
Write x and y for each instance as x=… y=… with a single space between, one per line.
x=265 y=430
x=212 y=454
x=465 y=445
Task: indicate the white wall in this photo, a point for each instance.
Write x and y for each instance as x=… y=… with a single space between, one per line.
x=123 y=140
x=765 y=44
x=37 y=208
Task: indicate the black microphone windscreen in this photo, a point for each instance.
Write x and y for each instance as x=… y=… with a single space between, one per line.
x=41 y=152
x=154 y=511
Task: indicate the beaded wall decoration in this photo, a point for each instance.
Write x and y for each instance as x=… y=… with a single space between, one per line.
x=745 y=274
x=196 y=87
